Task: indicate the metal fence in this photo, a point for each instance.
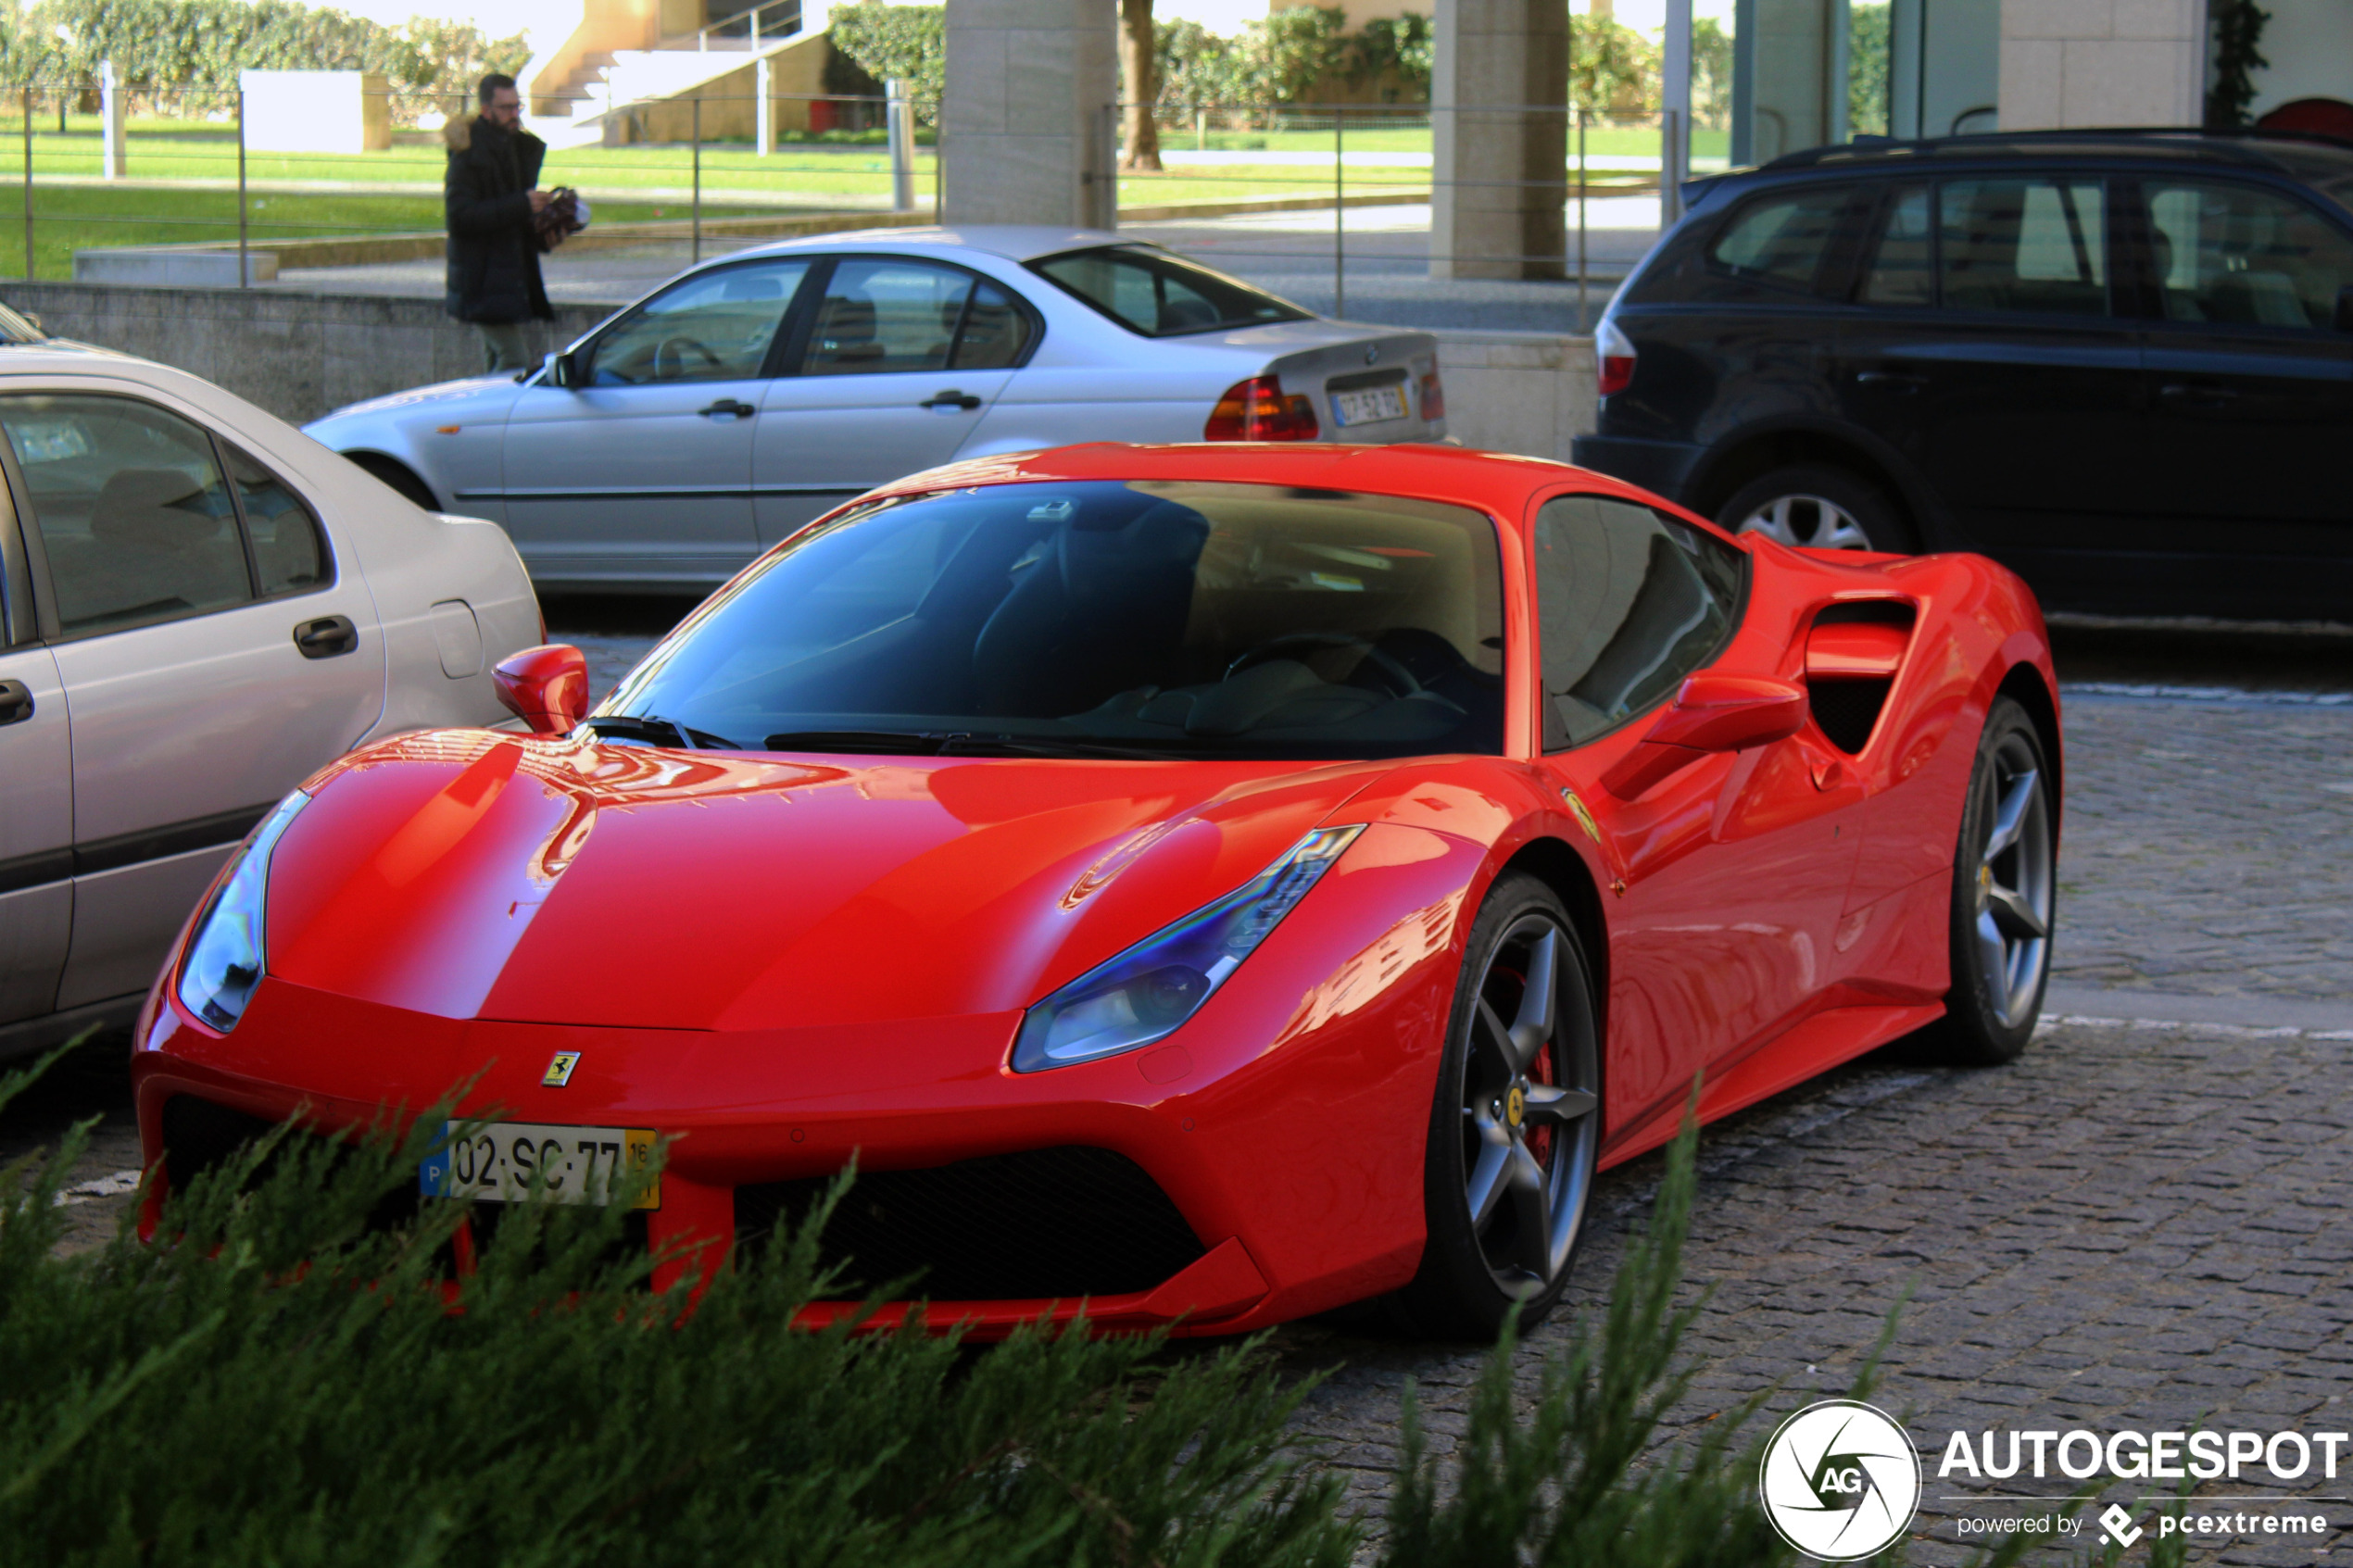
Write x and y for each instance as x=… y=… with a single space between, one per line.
x=1318 y=197
x=189 y=183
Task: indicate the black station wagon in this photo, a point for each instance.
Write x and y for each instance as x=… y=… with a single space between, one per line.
x=2120 y=362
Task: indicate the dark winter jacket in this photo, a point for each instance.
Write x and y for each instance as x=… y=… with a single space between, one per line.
x=485 y=196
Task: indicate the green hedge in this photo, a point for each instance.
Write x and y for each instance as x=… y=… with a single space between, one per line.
x=200 y=45
x=284 y=1384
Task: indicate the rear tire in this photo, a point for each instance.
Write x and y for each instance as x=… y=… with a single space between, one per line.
x=1515 y=1124
x=399 y=476
x=1814 y=506
x=2005 y=882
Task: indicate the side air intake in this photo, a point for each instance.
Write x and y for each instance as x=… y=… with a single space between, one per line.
x=1851 y=655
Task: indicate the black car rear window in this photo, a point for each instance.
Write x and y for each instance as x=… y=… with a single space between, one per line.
x=1783 y=239
x=1156 y=294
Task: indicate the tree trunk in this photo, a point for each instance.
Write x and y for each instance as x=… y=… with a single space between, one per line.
x=1140 y=84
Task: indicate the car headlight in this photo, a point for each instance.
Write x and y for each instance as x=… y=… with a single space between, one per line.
x=1149 y=990
x=224 y=959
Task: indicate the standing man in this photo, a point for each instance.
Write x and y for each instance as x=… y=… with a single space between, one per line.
x=490 y=200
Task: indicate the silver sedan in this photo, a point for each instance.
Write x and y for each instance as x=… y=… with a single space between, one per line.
x=199 y=609
x=722 y=412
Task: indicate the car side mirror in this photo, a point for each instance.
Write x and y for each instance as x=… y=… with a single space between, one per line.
x=547 y=687
x=563 y=370
x=1710 y=713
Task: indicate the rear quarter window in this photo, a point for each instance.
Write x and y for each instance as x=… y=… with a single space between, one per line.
x=1787 y=239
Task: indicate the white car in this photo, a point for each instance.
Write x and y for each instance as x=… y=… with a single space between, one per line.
x=743 y=398
x=199 y=605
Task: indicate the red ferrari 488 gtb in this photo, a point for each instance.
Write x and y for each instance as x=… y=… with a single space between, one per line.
x=1216 y=882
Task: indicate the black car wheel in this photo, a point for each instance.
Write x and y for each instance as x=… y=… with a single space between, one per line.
x=1815 y=507
x=397 y=475
x=1517 y=1122
x=2005 y=880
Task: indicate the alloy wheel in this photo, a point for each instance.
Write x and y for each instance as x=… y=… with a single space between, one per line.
x=1813 y=522
x=1530 y=1110
x=2014 y=880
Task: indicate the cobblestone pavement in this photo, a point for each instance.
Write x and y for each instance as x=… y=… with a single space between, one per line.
x=2136 y=1225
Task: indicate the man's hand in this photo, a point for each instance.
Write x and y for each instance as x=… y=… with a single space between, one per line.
x=538 y=202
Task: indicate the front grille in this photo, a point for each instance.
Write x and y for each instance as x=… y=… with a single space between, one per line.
x=199 y=1135
x=1848 y=710
x=1047 y=1223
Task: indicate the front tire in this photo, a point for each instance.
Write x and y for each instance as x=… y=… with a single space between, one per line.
x=2004 y=883
x=1517 y=1122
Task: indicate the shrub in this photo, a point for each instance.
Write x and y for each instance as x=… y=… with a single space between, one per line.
x=290 y=1380
x=904 y=43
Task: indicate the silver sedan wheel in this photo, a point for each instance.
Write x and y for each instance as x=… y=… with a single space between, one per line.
x=2014 y=881
x=1530 y=1112
x=1814 y=523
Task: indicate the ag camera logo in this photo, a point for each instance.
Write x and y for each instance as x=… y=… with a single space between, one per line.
x=1839 y=1481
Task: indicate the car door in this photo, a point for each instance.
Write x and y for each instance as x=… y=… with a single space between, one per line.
x=2250 y=386
x=212 y=645
x=1732 y=870
x=36 y=799
x=1988 y=351
x=896 y=362
x=640 y=470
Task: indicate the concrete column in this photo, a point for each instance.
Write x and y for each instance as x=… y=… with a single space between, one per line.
x=763 y=104
x=1498 y=123
x=1027 y=133
x=1675 y=103
x=2068 y=63
x=109 y=122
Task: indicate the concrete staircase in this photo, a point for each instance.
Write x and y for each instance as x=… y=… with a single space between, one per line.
x=605 y=83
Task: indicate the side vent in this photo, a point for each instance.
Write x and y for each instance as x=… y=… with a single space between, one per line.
x=1852 y=654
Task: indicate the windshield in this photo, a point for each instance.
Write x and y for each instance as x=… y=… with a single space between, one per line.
x=1141 y=618
x=1159 y=294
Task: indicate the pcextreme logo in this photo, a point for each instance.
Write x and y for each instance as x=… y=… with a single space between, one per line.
x=1840 y=1480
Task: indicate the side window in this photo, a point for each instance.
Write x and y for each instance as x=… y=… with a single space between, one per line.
x=2244 y=256
x=133 y=513
x=716 y=326
x=880 y=316
x=1628 y=603
x=1900 y=272
x=2035 y=246
x=289 y=553
x=996 y=332
x=1783 y=239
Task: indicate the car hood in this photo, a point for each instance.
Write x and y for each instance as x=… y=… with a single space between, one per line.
x=497 y=390
x=473 y=874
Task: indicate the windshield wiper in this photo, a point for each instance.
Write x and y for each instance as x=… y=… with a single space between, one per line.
x=946 y=743
x=648 y=726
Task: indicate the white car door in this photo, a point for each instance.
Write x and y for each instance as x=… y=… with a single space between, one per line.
x=36 y=801
x=899 y=360
x=641 y=470
x=213 y=645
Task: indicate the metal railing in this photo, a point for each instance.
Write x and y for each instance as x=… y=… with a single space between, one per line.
x=193 y=172
x=747 y=23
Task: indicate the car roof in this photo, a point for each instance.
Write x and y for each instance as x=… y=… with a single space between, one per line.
x=2297 y=153
x=1011 y=242
x=1500 y=483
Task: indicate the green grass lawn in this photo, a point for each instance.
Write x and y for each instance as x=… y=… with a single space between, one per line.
x=71 y=217
x=1369 y=135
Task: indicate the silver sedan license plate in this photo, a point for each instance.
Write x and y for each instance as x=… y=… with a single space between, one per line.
x=1374 y=404
x=499 y=1162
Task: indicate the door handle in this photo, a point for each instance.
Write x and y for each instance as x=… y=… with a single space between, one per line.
x=951 y=399
x=2196 y=392
x=327 y=637
x=728 y=406
x=1894 y=381
x=15 y=702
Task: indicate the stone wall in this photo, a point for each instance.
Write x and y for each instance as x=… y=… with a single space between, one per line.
x=2068 y=63
x=299 y=355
